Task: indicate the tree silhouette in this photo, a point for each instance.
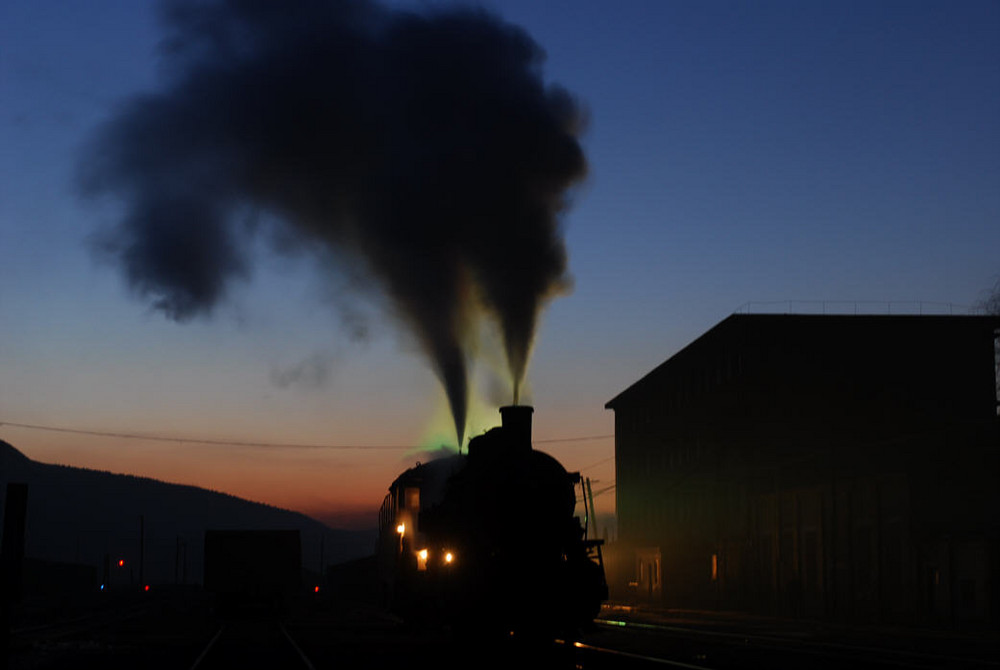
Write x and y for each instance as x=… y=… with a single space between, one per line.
x=991 y=303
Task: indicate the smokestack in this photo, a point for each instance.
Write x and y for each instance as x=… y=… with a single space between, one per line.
x=516 y=421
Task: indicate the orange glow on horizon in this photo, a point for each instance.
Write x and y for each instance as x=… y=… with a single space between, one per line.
x=342 y=488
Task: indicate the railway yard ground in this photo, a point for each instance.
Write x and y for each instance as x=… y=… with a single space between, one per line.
x=181 y=629
x=733 y=640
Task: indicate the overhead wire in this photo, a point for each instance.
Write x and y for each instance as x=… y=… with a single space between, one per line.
x=198 y=440
x=600 y=462
x=243 y=443
x=573 y=439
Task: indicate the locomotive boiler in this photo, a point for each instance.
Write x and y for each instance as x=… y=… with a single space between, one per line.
x=489 y=540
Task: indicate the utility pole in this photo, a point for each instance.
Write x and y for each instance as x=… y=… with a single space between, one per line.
x=11 y=561
x=142 y=549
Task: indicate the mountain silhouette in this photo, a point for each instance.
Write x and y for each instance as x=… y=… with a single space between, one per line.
x=77 y=515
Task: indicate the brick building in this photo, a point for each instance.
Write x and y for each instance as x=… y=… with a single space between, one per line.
x=841 y=467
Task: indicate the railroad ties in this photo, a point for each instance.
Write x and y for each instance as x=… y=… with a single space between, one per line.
x=252 y=644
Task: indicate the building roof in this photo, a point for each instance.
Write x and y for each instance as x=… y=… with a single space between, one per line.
x=738 y=327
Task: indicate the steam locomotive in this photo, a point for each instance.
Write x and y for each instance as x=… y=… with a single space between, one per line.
x=489 y=540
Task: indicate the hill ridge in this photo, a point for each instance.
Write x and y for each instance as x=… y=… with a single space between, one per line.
x=80 y=514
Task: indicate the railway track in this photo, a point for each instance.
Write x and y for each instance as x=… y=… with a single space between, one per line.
x=80 y=625
x=252 y=644
x=694 y=647
x=189 y=638
x=151 y=632
x=613 y=646
x=596 y=657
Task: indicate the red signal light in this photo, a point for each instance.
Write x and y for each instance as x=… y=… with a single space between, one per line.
x=121 y=562
x=146 y=588
x=316 y=590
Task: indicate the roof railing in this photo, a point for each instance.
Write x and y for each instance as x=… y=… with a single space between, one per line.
x=860 y=307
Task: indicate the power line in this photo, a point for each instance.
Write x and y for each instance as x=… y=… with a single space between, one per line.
x=196 y=440
x=599 y=492
x=239 y=443
x=600 y=462
x=581 y=438
x=604 y=490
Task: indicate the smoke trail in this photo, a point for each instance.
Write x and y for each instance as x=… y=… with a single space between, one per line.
x=427 y=145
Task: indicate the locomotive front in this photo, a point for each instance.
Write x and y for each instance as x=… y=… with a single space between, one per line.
x=489 y=540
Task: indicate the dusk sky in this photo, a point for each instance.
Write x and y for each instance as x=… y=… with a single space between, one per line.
x=738 y=152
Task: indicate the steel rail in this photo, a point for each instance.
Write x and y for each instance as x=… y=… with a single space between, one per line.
x=211 y=643
x=814 y=647
x=631 y=655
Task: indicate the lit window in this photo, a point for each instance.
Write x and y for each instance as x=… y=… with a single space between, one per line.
x=412 y=498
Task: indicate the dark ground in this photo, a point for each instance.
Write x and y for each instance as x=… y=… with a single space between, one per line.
x=182 y=629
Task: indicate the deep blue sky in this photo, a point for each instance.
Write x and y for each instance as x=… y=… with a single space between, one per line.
x=839 y=151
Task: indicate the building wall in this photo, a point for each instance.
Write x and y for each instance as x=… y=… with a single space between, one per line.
x=834 y=467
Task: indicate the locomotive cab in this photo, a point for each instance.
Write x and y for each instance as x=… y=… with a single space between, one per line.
x=403 y=551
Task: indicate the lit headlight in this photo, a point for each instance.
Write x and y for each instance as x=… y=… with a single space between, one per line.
x=449 y=557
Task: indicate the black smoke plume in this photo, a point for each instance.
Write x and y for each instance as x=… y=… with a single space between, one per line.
x=426 y=144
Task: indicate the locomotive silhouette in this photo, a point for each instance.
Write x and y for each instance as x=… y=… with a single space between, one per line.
x=489 y=540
